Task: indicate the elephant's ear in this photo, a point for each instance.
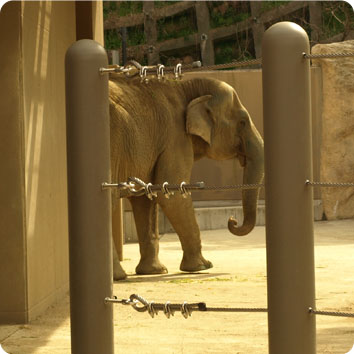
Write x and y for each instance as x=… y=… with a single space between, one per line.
x=199 y=121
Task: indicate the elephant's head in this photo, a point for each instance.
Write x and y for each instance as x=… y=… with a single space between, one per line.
x=223 y=129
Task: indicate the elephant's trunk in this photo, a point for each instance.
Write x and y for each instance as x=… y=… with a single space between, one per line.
x=253 y=174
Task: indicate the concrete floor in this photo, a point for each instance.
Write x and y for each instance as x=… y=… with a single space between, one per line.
x=238 y=279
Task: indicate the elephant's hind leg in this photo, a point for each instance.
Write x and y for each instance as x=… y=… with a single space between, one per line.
x=145 y=215
x=180 y=212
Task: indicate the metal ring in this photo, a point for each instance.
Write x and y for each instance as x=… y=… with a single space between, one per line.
x=143 y=73
x=149 y=193
x=185 y=310
x=178 y=71
x=167 y=310
x=167 y=193
x=160 y=71
x=152 y=310
x=135 y=300
x=183 y=190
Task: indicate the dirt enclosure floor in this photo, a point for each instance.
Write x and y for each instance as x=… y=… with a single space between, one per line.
x=238 y=279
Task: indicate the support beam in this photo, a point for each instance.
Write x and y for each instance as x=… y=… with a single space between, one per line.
x=84 y=28
x=257 y=27
x=90 y=235
x=206 y=41
x=150 y=31
x=289 y=211
x=315 y=8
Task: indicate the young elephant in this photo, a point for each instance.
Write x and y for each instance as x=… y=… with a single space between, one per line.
x=157 y=131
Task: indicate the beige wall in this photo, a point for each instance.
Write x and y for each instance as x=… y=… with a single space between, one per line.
x=13 y=265
x=33 y=205
x=97 y=19
x=49 y=29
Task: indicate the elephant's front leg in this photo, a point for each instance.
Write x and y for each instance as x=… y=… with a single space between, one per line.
x=181 y=214
x=145 y=215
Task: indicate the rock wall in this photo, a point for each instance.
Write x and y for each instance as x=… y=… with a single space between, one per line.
x=337 y=148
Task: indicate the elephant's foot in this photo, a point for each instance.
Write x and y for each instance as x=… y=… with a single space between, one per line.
x=118 y=272
x=194 y=263
x=150 y=267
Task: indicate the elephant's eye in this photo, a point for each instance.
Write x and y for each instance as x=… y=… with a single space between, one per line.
x=241 y=124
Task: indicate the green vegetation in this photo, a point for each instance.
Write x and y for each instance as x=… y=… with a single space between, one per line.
x=337 y=17
x=135 y=35
x=123 y=8
x=159 y=4
x=112 y=39
x=224 y=13
x=182 y=25
x=270 y=5
x=224 y=52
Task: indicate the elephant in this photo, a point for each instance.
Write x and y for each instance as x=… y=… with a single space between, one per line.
x=157 y=130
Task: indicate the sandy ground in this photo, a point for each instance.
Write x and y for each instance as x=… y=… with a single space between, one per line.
x=238 y=279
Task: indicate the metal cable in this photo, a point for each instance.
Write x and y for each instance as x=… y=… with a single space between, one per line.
x=142 y=305
x=328 y=184
x=134 y=67
x=233 y=187
x=328 y=55
x=236 y=309
x=197 y=66
x=330 y=313
x=137 y=187
x=235 y=64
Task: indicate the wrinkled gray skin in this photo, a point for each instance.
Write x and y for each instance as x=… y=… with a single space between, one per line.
x=157 y=131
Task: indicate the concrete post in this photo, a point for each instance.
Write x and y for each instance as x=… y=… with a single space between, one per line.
x=90 y=235
x=289 y=203
x=206 y=41
x=117 y=217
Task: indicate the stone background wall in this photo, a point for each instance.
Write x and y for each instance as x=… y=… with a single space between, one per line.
x=337 y=146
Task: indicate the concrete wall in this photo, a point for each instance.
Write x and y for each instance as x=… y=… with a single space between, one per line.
x=48 y=32
x=33 y=205
x=13 y=266
x=337 y=158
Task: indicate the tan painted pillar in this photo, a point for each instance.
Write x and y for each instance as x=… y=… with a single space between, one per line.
x=90 y=234
x=289 y=203
x=117 y=217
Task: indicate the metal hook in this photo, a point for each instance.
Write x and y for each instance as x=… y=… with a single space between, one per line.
x=185 y=310
x=167 y=310
x=178 y=71
x=160 y=72
x=167 y=193
x=183 y=190
x=149 y=193
x=143 y=72
x=152 y=310
x=135 y=300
